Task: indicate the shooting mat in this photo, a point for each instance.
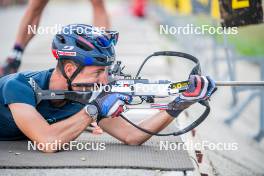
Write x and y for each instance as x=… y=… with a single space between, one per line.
x=14 y=154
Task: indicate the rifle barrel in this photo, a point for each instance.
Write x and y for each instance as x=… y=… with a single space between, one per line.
x=240 y=83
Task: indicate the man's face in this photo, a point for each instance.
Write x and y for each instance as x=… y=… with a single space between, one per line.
x=91 y=74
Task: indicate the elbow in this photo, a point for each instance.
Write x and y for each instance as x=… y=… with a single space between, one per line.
x=132 y=141
x=48 y=151
x=48 y=145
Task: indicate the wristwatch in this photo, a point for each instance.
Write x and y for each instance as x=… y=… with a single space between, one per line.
x=92 y=111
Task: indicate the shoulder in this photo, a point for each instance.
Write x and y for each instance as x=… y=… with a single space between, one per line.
x=15 y=81
x=41 y=77
x=15 y=88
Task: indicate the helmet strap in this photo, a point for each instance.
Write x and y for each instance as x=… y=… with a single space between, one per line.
x=69 y=80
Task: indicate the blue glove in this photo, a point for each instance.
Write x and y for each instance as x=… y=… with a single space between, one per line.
x=110 y=104
x=200 y=88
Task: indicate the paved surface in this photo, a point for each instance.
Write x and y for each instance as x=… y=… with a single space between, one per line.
x=139 y=38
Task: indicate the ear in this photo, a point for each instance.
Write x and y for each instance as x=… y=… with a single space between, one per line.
x=69 y=69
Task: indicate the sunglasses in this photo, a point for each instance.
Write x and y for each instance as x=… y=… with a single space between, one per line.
x=107 y=39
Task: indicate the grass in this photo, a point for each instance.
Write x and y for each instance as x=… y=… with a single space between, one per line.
x=248 y=42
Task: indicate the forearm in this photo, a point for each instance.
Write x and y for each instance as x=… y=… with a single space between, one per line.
x=154 y=124
x=69 y=129
x=37 y=129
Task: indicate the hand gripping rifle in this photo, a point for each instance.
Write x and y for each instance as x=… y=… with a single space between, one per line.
x=146 y=90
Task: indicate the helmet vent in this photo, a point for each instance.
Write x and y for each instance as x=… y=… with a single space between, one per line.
x=61 y=38
x=83 y=46
x=79 y=34
x=101 y=59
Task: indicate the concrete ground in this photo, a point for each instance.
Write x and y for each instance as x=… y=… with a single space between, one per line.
x=138 y=39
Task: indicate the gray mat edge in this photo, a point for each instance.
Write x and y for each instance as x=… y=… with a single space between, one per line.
x=96 y=167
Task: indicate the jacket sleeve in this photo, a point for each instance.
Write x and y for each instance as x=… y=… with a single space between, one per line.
x=18 y=90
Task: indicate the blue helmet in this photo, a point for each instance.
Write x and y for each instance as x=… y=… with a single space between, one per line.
x=85 y=45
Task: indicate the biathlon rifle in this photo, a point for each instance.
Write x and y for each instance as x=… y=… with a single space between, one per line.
x=144 y=89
